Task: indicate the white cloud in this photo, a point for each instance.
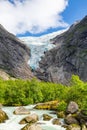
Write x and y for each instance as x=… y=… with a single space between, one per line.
x=34 y=16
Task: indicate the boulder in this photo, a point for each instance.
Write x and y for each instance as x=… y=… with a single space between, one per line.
x=73 y=127
x=84 y=127
x=32 y=127
x=51 y=105
x=83 y=114
x=72 y=107
x=82 y=117
x=29 y=119
x=61 y=114
x=47 y=117
x=21 y=111
x=69 y=119
x=3 y=116
x=56 y=122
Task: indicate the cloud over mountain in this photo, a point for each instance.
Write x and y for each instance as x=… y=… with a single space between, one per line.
x=35 y=16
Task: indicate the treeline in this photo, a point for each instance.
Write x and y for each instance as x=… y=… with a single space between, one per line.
x=24 y=92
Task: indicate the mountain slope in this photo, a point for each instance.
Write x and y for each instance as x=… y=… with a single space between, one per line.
x=68 y=57
x=14 y=55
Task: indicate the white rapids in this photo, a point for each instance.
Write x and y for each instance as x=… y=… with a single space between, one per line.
x=13 y=122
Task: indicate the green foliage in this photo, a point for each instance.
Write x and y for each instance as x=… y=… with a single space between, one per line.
x=23 y=92
x=62 y=106
x=75 y=81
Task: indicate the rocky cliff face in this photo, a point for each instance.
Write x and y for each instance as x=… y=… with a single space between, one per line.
x=68 y=57
x=14 y=55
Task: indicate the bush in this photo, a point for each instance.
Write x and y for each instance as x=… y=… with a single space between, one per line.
x=24 y=92
x=62 y=106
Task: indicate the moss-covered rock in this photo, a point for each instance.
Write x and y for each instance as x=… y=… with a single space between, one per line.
x=56 y=122
x=51 y=105
x=32 y=127
x=69 y=119
x=73 y=127
x=61 y=114
x=84 y=127
x=47 y=117
x=3 y=116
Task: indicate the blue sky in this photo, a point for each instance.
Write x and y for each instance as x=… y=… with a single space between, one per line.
x=76 y=10
x=38 y=17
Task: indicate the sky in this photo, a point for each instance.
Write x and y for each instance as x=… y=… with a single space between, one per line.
x=38 y=17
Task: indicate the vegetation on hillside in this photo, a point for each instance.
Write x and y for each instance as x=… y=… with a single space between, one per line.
x=24 y=92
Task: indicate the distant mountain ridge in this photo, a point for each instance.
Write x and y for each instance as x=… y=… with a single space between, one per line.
x=14 y=55
x=68 y=57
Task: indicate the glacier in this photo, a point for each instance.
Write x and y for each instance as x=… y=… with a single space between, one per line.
x=38 y=46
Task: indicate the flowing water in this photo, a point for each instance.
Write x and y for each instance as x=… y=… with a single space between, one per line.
x=13 y=122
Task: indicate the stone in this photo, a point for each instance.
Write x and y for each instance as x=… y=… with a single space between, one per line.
x=82 y=117
x=56 y=122
x=73 y=127
x=32 y=127
x=72 y=107
x=51 y=105
x=83 y=114
x=69 y=119
x=29 y=119
x=21 y=111
x=3 y=116
x=61 y=114
x=84 y=127
x=47 y=117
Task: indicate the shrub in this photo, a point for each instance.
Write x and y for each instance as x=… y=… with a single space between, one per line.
x=62 y=106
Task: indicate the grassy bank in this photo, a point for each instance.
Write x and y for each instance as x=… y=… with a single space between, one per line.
x=21 y=92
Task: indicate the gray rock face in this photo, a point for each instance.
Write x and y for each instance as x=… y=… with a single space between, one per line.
x=14 y=55
x=68 y=58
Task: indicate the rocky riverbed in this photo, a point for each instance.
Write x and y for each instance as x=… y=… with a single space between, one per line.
x=17 y=120
x=36 y=117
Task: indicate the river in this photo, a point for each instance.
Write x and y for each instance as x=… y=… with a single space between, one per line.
x=13 y=122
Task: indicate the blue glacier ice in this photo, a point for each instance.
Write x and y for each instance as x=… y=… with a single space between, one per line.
x=39 y=45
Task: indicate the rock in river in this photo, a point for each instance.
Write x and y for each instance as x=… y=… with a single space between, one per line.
x=21 y=111
x=32 y=127
x=29 y=119
x=3 y=116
